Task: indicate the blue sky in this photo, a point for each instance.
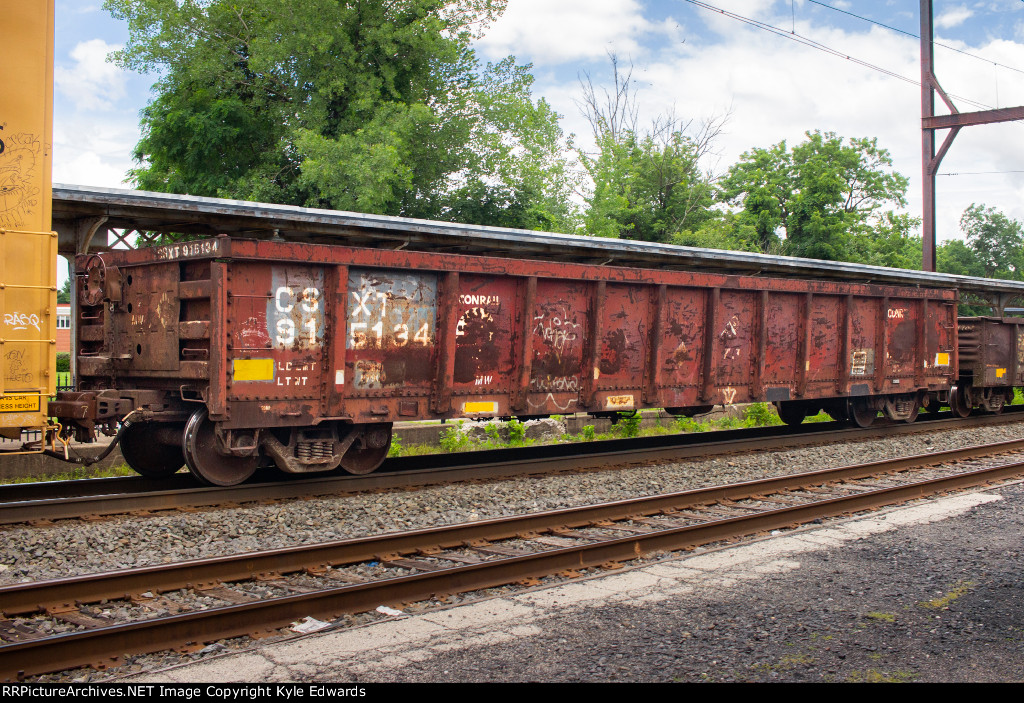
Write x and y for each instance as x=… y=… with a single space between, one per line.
x=693 y=60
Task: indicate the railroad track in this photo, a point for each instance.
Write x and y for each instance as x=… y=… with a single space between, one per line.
x=41 y=502
x=357 y=575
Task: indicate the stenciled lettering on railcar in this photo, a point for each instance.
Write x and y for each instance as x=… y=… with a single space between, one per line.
x=393 y=311
x=306 y=325
x=862 y=362
x=897 y=313
x=206 y=247
x=295 y=311
x=480 y=300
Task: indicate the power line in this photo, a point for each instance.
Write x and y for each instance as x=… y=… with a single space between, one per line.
x=917 y=36
x=977 y=173
x=807 y=41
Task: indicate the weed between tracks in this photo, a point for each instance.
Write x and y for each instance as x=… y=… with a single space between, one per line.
x=453 y=439
x=75 y=473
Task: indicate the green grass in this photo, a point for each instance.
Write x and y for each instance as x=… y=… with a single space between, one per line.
x=453 y=440
x=74 y=474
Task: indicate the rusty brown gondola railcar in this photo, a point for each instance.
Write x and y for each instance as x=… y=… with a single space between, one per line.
x=241 y=351
x=991 y=363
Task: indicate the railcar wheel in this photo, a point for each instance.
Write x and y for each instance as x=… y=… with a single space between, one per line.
x=369 y=450
x=199 y=445
x=862 y=412
x=914 y=413
x=959 y=402
x=146 y=457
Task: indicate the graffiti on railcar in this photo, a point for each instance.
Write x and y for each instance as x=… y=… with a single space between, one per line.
x=558 y=354
x=20 y=195
x=729 y=336
x=21 y=321
x=16 y=368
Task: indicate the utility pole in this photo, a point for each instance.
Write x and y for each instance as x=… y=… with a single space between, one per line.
x=930 y=122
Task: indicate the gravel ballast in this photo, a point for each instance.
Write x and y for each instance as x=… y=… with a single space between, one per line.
x=29 y=553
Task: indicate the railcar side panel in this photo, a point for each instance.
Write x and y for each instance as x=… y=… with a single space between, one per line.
x=485 y=343
x=863 y=344
x=275 y=323
x=683 y=336
x=901 y=332
x=826 y=335
x=559 y=328
x=731 y=350
x=940 y=354
x=783 y=344
x=622 y=346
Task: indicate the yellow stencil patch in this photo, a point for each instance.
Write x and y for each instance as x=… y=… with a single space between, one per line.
x=1000 y=373
x=942 y=359
x=480 y=407
x=19 y=403
x=619 y=402
x=252 y=369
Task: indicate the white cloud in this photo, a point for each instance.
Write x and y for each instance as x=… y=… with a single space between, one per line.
x=778 y=89
x=93 y=151
x=91 y=83
x=546 y=31
x=953 y=17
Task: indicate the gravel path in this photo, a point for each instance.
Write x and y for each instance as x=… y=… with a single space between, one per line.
x=76 y=547
x=938 y=601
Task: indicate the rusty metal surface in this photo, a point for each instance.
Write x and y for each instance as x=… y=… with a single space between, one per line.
x=992 y=350
x=376 y=336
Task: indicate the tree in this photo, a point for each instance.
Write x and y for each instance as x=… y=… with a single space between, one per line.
x=996 y=241
x=376 y=107
x=959 y=259
x=647 y=183
x=822 y=193
x=64 y=294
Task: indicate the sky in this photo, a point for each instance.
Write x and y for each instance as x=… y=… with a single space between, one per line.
x=688 y=58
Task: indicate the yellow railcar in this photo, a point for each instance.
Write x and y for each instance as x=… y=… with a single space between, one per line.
x=28 y=249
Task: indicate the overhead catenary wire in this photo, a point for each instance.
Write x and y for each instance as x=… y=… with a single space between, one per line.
x=807 y=41
x=917 y=36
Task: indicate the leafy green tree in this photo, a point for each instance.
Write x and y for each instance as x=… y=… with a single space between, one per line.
x=996 y=241
x=959 y=259
x=646 y=182
x=376 y=107
x=822 y=193
x=64 y=294
x=723 y=231
x=894 y=242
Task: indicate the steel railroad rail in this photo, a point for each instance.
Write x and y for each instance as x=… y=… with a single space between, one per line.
x=37 y=502
x=462 y=558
